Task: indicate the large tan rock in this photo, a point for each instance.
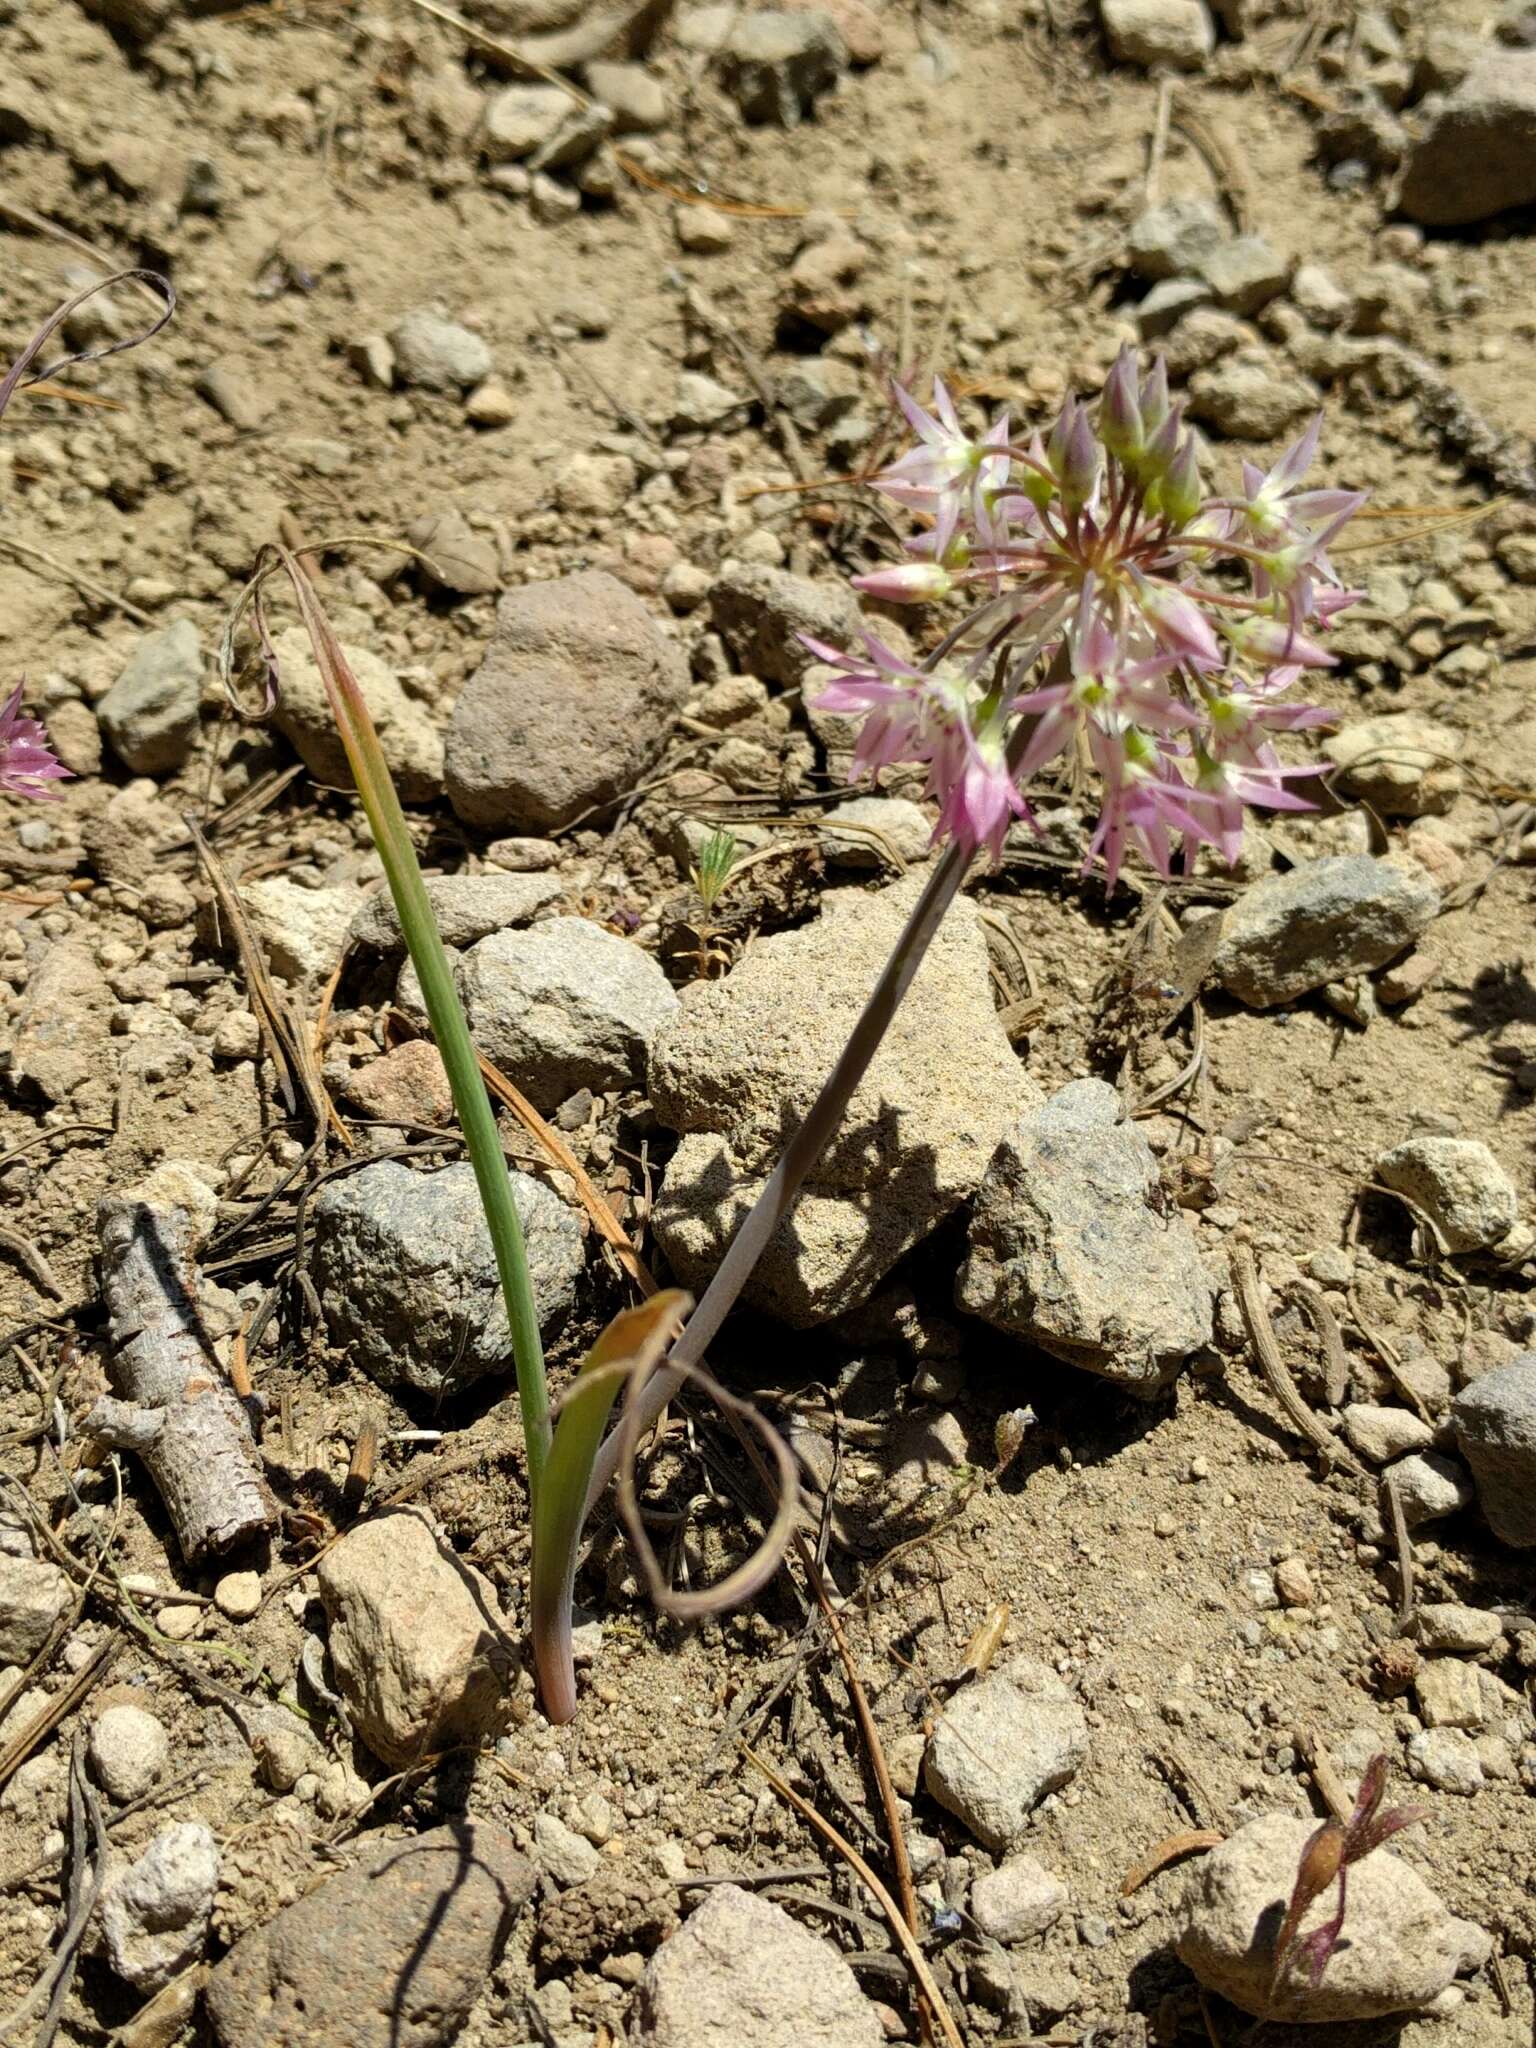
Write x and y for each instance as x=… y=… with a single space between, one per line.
x=419 y=1646
x=740 y=1064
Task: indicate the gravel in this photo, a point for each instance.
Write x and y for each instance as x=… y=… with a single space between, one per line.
x=1381 y=1434
x=777 y=62
x=568 y=1857
x=1430 y=1486
x=411 y=744
x=1403 y=764
x=1074 y=1249
x=407 y=1277
x=1445 y=1625
x=1495 y=1422
x=1175 y=33
x=1001 y=1745
x=760 y=613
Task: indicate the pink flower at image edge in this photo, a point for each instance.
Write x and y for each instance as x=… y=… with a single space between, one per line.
x=27 y=762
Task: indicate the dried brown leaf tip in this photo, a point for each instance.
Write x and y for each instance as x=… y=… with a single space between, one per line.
x=1328 y=1855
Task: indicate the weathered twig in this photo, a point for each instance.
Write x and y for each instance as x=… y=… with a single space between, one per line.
x=1245 y=1281
x=178 y=1411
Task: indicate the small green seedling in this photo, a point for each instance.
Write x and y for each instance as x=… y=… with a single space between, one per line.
x=709 y=875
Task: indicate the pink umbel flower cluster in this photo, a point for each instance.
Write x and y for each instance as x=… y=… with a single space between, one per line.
x=1128 y=624
x=27 y=764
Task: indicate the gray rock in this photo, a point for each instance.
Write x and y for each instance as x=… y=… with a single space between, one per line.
x=568 y=1857
x=741 y=1062
x=1430 y=1487
x=467 y=908
x=34 y=1598
x=776 y=62
x=570 y=705
x=637 y=98
x=579 y=134
x=1177 y=33
x=407 y=1277
x=459 y=561
x=701 y=401
x=901 y=825
x=1459 y=1185
x=1381 y=1434
x=565 y=1005
x=1245 y=273
x=1319 y=294
x=439 y=355
x=520 y=118
x=1400 y=1949
x=1474 y=152
x=155 y=1913
x=150 y=713
x=1319 y=922
x=1495 y=1422
x=412 y=745
x=1175 y=238
x=302 y=931
x=1448 y=1694
x=1019 y=1899
x=1446 y=1758
x=418 y=1645
x=1402 y=763
x=128 y=1750
x=1001 y=1745
x=740 y=1973
x=1166 y=304
x=1251 y=397
x=234 y=393
x=760 y=614
x=390 y=1954
x=1073 y=1247
x=1446 y=1625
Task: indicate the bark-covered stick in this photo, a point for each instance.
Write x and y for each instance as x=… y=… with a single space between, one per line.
x=177 y=1411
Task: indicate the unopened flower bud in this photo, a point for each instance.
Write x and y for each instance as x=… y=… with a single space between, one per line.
x=1182 y=490
x=1074 y=455
x=1272 y=642
x=906 y=583
x=1154 y=396
x=1120 y=427
x=1038 y=487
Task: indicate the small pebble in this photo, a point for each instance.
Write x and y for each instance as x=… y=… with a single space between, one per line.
x=128 y=1750
x=1293 y=1582
x=179 y=1623
x=238 y=1594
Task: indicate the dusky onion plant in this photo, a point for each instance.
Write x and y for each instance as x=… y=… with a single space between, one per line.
x=1125 y=625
